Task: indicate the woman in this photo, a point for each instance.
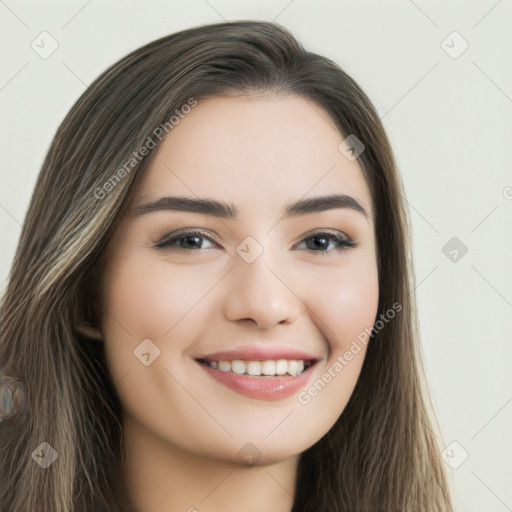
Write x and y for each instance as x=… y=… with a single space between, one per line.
x=277 y=368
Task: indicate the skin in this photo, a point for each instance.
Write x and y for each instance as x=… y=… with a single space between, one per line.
x=183 y=430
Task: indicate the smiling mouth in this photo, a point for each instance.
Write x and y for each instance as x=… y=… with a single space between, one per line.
x=256 y=368
x=261 y=379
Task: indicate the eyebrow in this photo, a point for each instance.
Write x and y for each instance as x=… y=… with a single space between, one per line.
x=225 y=210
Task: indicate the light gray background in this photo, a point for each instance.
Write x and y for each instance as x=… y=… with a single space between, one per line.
x=449 y=121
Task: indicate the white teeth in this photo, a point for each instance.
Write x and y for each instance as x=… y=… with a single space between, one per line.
x=281 y=366
x=238 y=367
x=256 y=368
x=268 y=368
x=295 y=367
x=224 y=366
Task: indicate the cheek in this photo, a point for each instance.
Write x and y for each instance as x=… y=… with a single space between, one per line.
x=345 y=300
x=148 y=299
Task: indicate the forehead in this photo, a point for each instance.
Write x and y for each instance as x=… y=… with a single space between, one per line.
x=254 y=150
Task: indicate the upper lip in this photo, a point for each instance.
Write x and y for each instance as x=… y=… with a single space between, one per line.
x=261 y=353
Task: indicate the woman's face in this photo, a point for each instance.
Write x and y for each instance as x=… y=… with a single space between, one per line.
x=257 y=285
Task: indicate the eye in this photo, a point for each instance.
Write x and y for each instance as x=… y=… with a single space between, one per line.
x=320 y=242
x=187 y=240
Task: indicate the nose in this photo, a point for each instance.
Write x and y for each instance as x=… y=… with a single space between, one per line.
x=260 y=295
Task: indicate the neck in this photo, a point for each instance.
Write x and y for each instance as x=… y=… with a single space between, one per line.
x=161 y=477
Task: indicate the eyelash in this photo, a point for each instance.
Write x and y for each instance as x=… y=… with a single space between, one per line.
x=166 y=241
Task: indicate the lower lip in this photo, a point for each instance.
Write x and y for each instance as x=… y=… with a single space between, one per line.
x=262 y=388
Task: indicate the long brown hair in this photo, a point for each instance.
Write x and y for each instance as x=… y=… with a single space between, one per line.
x=381 y=455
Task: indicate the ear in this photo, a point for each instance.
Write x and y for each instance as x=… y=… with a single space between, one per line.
x=88 y=331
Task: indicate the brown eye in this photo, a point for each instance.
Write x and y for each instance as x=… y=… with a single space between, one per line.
x=186 y=240
x=321 y=240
